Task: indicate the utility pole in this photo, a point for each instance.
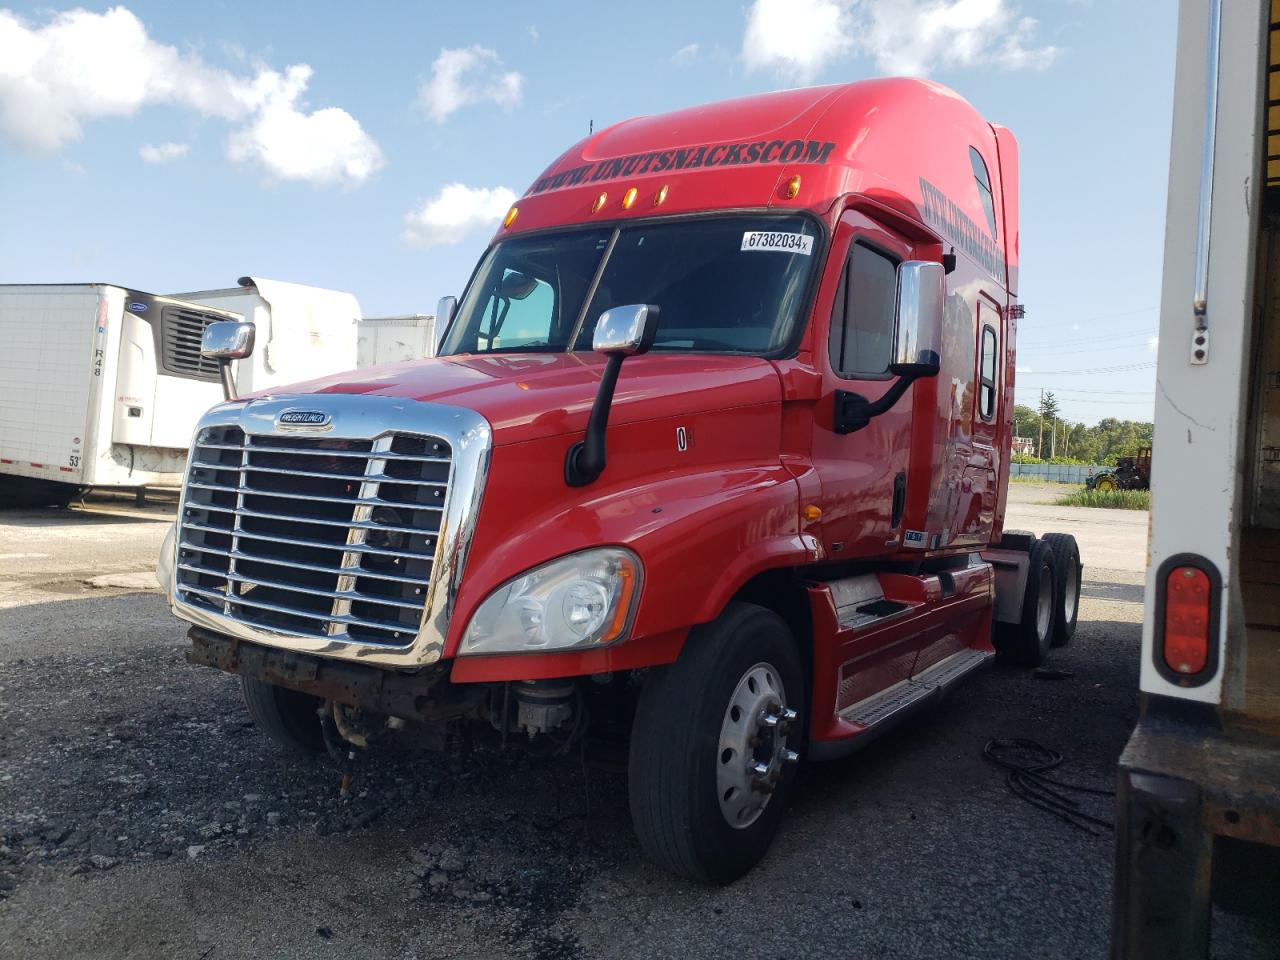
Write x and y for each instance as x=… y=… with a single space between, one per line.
x=1066 y=439
x=1040 y=442
x=1053 y=439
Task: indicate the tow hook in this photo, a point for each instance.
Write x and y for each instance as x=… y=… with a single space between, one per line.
x=344 y=733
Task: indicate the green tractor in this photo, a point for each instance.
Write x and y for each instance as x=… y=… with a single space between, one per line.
x=1130 y=473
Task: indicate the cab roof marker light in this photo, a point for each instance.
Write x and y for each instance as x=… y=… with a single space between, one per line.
x=793 y=187
x=510 y=218
x=661 y=196
x=629 y=198
x=601 y=200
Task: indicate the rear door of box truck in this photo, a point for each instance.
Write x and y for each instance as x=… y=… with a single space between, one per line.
x=52 y=368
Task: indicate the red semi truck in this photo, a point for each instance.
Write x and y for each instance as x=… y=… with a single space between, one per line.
x=716 y=443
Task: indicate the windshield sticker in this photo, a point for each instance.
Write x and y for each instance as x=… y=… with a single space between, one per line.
x=777 y=240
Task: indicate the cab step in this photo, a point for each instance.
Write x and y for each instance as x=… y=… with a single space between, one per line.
x=886 y=709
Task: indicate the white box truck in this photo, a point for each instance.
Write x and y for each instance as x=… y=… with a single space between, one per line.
x=1198 y=807
x=393 y=339
x=101 y=385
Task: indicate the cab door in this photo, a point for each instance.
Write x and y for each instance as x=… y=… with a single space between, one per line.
x=976 y=506
x=863 y=473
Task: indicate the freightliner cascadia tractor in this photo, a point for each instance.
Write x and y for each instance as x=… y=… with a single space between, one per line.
x=716 y=443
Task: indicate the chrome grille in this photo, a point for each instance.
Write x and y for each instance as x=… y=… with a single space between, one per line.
x=181 y=332
x=313 y=537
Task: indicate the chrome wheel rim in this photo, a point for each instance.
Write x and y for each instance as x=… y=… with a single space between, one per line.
x=1044 y=604
x=753 y=745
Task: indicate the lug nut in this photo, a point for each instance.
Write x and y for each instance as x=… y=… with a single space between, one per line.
x=759 y=769
x=769 y=720
x=788 y=714
x=790 y=756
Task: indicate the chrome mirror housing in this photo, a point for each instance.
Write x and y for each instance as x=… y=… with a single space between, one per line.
x=224 y=341
x=626 y=330
x=227 y=340
x=917 y=335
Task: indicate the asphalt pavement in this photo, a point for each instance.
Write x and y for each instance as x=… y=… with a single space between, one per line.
x=141 y=814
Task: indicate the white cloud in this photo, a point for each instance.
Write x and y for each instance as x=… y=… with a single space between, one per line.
x=325 y=146
x=163 y=152
x=685 y=54
x=83 y=66
x=534 y=35
x=797 y=37
x=454 y=212
x=1021 y=369
x=800 y=37
x=468 y=75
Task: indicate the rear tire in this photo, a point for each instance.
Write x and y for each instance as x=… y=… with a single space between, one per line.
x=1106 y=482
x=286 y=716
x=1027 y=642
x=1066 y=595
x=691 y=769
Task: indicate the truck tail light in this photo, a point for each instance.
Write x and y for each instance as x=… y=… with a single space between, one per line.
x=1186 y=620
x=1188 y=598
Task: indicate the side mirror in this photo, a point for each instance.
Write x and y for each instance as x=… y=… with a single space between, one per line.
x=224 y=341
x=227 y=340
x=626 y=330
x=917 y=334
x=917 y=342
x=445 y=309
x=621 y=332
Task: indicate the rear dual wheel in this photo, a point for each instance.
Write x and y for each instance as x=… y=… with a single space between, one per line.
x=1027 y=642
x=1068 y=569
x=713 y=749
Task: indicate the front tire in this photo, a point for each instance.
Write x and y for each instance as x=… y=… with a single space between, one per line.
x=286 y=716
x=713 y=746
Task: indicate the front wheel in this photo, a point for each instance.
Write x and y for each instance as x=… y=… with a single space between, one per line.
x=1105 y=483
x=713 y=748
x=288 y=717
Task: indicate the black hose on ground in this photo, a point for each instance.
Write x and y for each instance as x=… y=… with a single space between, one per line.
x=1026 y=763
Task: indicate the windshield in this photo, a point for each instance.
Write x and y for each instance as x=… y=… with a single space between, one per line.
x=725 y=285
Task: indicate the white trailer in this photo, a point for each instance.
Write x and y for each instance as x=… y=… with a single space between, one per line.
x=100 y=385
x=393 y=339
x=303 y=332
x=1198 y=807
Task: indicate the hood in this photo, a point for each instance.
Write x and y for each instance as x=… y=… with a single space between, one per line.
x=530 y=396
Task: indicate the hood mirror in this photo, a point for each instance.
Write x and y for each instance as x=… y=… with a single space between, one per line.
x=626 y=330
x=621 y=332
x=224 y=341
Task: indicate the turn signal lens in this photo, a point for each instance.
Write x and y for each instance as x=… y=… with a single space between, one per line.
x=600 y=202
x=793 y=187
x=629 y=198
x=812 y=513
x=1186 y=620
x=510 y=218
x=661 y=196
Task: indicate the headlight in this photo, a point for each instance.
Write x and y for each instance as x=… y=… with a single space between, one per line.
x=583 y=600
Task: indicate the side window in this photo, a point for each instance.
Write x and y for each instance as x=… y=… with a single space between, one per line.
x=984 y=188
x=987 y=375
x=862 y=317
x=521 y=312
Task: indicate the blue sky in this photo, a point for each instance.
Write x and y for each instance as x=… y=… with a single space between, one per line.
x=366 y=146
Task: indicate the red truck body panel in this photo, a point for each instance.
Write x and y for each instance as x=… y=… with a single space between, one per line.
x=884 y=163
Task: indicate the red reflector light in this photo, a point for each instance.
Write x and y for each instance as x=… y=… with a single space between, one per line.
x=1186 y=620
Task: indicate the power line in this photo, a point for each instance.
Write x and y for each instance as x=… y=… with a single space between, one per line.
x=1121 y=368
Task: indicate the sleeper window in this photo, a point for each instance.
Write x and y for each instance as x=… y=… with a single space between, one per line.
x=987 y=375
x=984 y=188
x=862 y=317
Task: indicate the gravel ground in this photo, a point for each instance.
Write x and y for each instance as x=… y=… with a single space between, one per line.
x=141 y=814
